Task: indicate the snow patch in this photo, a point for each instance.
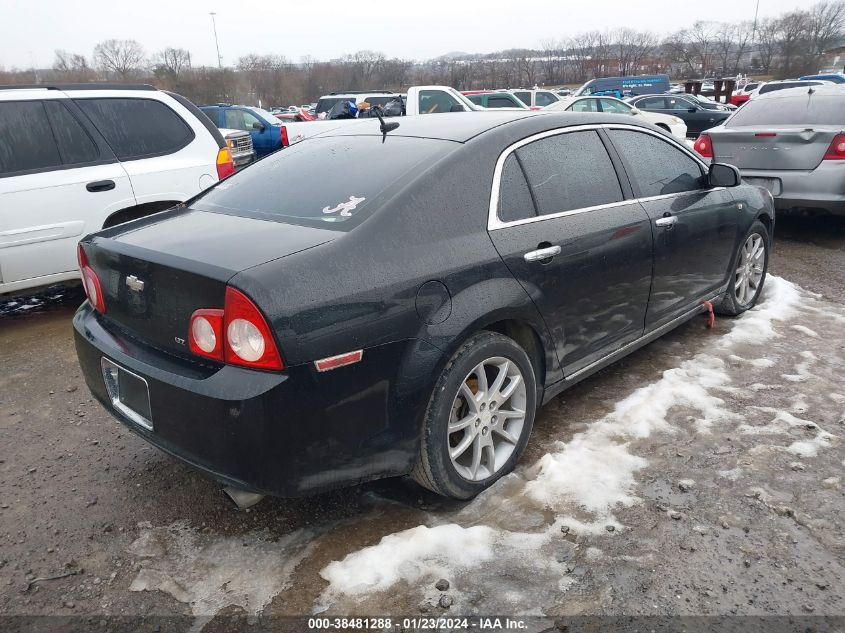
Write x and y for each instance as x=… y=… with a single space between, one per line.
x=805 y=330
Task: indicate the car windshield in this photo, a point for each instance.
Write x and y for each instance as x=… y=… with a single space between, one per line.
x=331 y=182
x=267 y=116
x=801 y=109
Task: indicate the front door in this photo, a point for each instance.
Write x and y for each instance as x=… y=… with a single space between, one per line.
x=578 y=247
x=695 y=226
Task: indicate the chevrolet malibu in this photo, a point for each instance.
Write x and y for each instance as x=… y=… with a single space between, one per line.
x=377 y=302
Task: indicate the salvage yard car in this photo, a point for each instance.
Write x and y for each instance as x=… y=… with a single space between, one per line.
x=684 y=107
x=612 y=105
x=75 y=158
x=407 y=311
x=792 y=143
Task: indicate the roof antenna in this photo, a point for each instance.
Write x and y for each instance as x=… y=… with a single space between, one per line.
x=385 y=127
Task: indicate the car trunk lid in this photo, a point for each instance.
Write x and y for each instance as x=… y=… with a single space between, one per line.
x=777 y=148
x=155 y=274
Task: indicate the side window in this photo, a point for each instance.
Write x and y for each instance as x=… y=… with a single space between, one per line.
x=656 y=167
x=679 y=104
x=213 y=115
x=569 y=171
x=614 y=107
x=523 y=96
x=250 y=119
x=651 y=103
x=584 y=105
x=234 y=119
x=545 y=98
x=500 y=102
x=476 y=99
x=436 y=101
x=26 y=140
x=75 y=145
x=137 y=128
x=515 y=201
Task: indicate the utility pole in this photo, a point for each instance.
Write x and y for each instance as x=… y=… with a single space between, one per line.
x=754 y=29
x=217 y=43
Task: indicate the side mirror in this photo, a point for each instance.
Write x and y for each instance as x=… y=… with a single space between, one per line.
x=457 y=107
x=722 y=175
x=693 y=109
x=635 y=111
x=259 y=126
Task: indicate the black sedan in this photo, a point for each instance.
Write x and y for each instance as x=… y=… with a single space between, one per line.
x=363 y=305
x=697 y=116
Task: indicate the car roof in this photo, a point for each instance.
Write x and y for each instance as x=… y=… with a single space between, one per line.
x=460 y=127
x=817 y=89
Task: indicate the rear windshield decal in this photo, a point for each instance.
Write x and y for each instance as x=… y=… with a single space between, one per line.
x=345 y=208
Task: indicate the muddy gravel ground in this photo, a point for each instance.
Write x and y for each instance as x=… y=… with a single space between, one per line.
x=701 y=476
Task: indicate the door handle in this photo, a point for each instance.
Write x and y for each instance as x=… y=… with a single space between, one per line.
x=667 y=222
x=541 y=253
x=100 y=185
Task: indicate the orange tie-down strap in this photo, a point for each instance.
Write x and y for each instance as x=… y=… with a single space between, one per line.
x=711 y=316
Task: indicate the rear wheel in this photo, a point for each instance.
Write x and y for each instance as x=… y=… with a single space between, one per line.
x=750 y=267
x=479 y=418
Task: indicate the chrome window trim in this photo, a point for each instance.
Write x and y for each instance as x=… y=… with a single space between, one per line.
x=495 y=223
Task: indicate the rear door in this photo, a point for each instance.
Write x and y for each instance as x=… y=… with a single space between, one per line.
x=57 y=183
x=581 y=250
x=695 y=226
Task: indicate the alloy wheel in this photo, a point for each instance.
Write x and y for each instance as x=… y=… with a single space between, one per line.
x=487 y=418
x=749 y=272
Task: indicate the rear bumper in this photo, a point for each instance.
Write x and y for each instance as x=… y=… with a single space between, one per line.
x=242 y=160
x=822 y=189
x=287 y=434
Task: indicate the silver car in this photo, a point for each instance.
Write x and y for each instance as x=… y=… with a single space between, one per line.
x=791 y=142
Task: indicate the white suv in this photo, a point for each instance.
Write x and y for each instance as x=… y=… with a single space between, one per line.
x=77 y=158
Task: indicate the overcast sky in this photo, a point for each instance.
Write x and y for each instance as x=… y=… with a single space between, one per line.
x=30 y=30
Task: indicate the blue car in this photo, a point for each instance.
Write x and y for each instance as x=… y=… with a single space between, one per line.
x=837 y=78
x=265 y=128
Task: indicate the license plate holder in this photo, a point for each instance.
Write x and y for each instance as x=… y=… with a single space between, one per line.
x=129 y=393
x=773 y=185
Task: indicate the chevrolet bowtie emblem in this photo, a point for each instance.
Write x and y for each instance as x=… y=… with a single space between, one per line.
x=134 y=283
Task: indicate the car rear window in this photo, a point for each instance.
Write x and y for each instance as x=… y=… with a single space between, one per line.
x=26 y=140
x=801 y=109
x=331 y=182
x=137 y=128
x=788 y=84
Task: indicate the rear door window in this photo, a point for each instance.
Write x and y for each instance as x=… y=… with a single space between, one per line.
x=651 y=103
x=614 y=107
x=569 y=171
x=656 y=167
x=26 y=139
x=76 y=147
x=584 y=105
x=137 y=128
x=791 y=110
x=545 y=98
x=436 y=101
x=515 y=202
x=500 y=102
x=523 y=96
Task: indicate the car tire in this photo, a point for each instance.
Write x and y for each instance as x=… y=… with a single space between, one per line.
x=489 y=429
x=737 y=300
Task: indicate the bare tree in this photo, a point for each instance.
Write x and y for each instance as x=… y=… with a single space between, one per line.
x=119 y=57
x=825 y=23
x=631 y=48
x=767 y=43
x=73 y=67
x=173 y=62
x=792 y=33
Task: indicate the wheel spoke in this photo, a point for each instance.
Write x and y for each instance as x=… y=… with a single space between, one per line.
x=505 y=435
x=456 y=426
x=507 y=415
x=507 y=392
x=481 y=375
x=500 y=378
x=489 y=458
x=469 y=396
x=462 y=446
x=476 y=456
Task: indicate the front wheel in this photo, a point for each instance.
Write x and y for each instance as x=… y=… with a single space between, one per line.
x=479 y=418
x=750 y=266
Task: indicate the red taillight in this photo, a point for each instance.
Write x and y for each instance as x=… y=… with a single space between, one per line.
x=205 y=333
x=704 y=146
x=91 y=282
x=225 y=164
x=247 y=337
x=285 y=142
x=238 y=334
x=836 y=151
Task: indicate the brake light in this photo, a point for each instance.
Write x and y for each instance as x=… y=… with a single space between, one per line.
x=704 y=146
x=225 y=164
x=205 y=334
x=836 y=151
x=284 y=133
x=91 y=282
x=238 y=334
